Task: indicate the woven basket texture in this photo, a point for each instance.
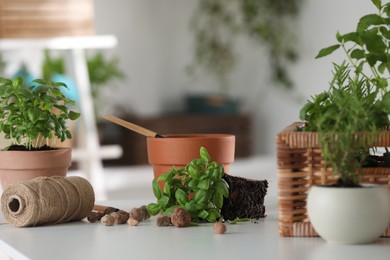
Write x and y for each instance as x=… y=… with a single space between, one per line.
x=299 y=166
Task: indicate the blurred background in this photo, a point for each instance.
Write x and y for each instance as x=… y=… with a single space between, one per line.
x=241 y=67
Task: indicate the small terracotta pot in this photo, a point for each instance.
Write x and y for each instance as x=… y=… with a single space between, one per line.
x=180 y=149
x=18 y=166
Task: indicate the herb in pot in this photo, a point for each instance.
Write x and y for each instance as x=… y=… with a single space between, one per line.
x=32 y=116
x=356 y=107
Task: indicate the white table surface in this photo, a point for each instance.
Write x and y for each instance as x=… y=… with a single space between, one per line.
x=83 y=240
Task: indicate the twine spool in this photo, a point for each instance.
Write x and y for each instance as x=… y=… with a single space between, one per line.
x=47 y=200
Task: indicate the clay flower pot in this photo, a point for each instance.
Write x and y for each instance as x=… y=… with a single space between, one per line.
x=18 y=166
x=180 y=149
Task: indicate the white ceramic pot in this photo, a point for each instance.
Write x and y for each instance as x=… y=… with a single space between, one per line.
x=349 y=215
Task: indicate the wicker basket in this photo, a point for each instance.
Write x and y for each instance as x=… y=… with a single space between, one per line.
x=45 y=18
x=300 y=166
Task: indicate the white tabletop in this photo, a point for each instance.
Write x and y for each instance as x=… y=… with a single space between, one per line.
x=83 y=240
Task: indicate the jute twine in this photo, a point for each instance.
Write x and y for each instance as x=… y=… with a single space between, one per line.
x=47 y=200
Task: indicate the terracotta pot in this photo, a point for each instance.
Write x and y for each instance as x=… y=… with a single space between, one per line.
x=180 y=149
x=18 y=166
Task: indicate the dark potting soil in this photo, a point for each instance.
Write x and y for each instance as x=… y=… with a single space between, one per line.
x=24 y=148
x=246 y=198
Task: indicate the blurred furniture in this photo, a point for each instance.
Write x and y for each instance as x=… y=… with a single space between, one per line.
x=88 y=151
x=46 y=18
x=134 y=145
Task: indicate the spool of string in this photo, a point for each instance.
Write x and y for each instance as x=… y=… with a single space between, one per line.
x=47 y=200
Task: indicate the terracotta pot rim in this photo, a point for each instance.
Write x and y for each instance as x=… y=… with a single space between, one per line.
x=171 y=137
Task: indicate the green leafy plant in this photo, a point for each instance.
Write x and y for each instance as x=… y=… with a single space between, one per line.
x=52 y=66
x=217 y=24
x=32 y=116
x=198 y=188
x=102 y=70
x=348 y=116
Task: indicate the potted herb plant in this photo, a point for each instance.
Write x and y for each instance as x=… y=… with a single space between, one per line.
x=34 y=119
x=348 y=119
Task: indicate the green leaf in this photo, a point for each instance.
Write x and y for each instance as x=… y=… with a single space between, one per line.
x=204 y=184
x=217 y=199
x=73 y=115
x=33 y=114
x=303 y=113
x=199 y=194
x=214 y=214
x=192 y=172
x=357 y=54
x=382 y=83
x=167 y=189
x=328 y=50
x=193 y=183
x=170 y=210
x=203 y=214
x=222 y=188
x=156 y=189
x=68 y=134
x=377 y=3
x=368 y=20
x=386 y=101
x=204 y=155
x=373 y=41
x=153 y=209
x=189 y=207
x=62 y=108
x=351 y=37
x=339 y=37
x=181 y=197
x=163 y=176
x=163 y=201
x=198 y=164
x=382 y=67
x=40 y=81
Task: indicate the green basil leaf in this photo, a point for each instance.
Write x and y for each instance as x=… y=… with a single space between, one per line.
x=214 y=214
x=163 y=201
x=169 y=210
x=167 y=190
x=181 y=197
x=222 y=188
x=199 y=194
x=204 y=155
x=204 y=184
x=218 y=200
x=156 y=189
x=203 y=214
x=153 y=209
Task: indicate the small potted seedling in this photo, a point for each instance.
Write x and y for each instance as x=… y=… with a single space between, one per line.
x=34 y=119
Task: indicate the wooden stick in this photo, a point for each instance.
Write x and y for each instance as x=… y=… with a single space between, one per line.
x=131 y=126
x=99 y=208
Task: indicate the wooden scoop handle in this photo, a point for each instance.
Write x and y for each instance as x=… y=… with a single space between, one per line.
x=131 y=126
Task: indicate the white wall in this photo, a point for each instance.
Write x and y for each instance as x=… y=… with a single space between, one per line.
x=155 y=46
